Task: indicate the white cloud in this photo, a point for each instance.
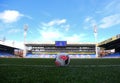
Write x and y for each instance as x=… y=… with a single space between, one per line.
x=60 y=32
x=50 y=35
x=66 y=27
x=14 y=31
x=75 y=37
x=87 y=19
x=58 y=23
x=89 y=22
x=105 y=22
x=29 y=17
x=109 y=21
x=113 y=7
x=110 y=15
x=9 y=16
x=55 y=22
x=54 y=34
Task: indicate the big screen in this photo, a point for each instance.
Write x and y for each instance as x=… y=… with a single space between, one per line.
x=60 y=43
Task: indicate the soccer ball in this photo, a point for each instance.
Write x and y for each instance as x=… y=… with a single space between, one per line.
x=62 y=59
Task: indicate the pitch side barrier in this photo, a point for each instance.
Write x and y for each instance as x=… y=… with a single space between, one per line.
x=54 y=55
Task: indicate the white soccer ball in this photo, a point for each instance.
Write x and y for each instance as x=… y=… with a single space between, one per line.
x=62 y=59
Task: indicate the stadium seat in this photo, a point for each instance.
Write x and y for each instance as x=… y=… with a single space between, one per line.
x=114 y=55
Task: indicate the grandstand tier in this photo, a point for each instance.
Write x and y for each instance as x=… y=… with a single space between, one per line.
x=38 y=49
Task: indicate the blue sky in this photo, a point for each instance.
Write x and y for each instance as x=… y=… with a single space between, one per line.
x=51 y=20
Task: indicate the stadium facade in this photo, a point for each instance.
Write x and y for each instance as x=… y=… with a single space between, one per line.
x=52 y=48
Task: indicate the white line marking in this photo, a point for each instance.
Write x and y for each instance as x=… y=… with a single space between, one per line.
x=65 y=66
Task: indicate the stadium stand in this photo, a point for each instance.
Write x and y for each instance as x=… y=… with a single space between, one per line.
x=114 y=55
x=5 y=54
x=110 y=44
x=8 y=51
x=50 y=50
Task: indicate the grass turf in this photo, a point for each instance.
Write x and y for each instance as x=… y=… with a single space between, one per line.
x=15 y=70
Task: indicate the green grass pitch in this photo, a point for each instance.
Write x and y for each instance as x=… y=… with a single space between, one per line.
x=22 y=70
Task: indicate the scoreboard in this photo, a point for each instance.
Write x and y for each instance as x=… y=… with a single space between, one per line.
x=60 y=43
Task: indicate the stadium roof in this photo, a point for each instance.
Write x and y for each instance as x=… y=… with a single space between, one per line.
x=53 y=42
x=2 y=44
